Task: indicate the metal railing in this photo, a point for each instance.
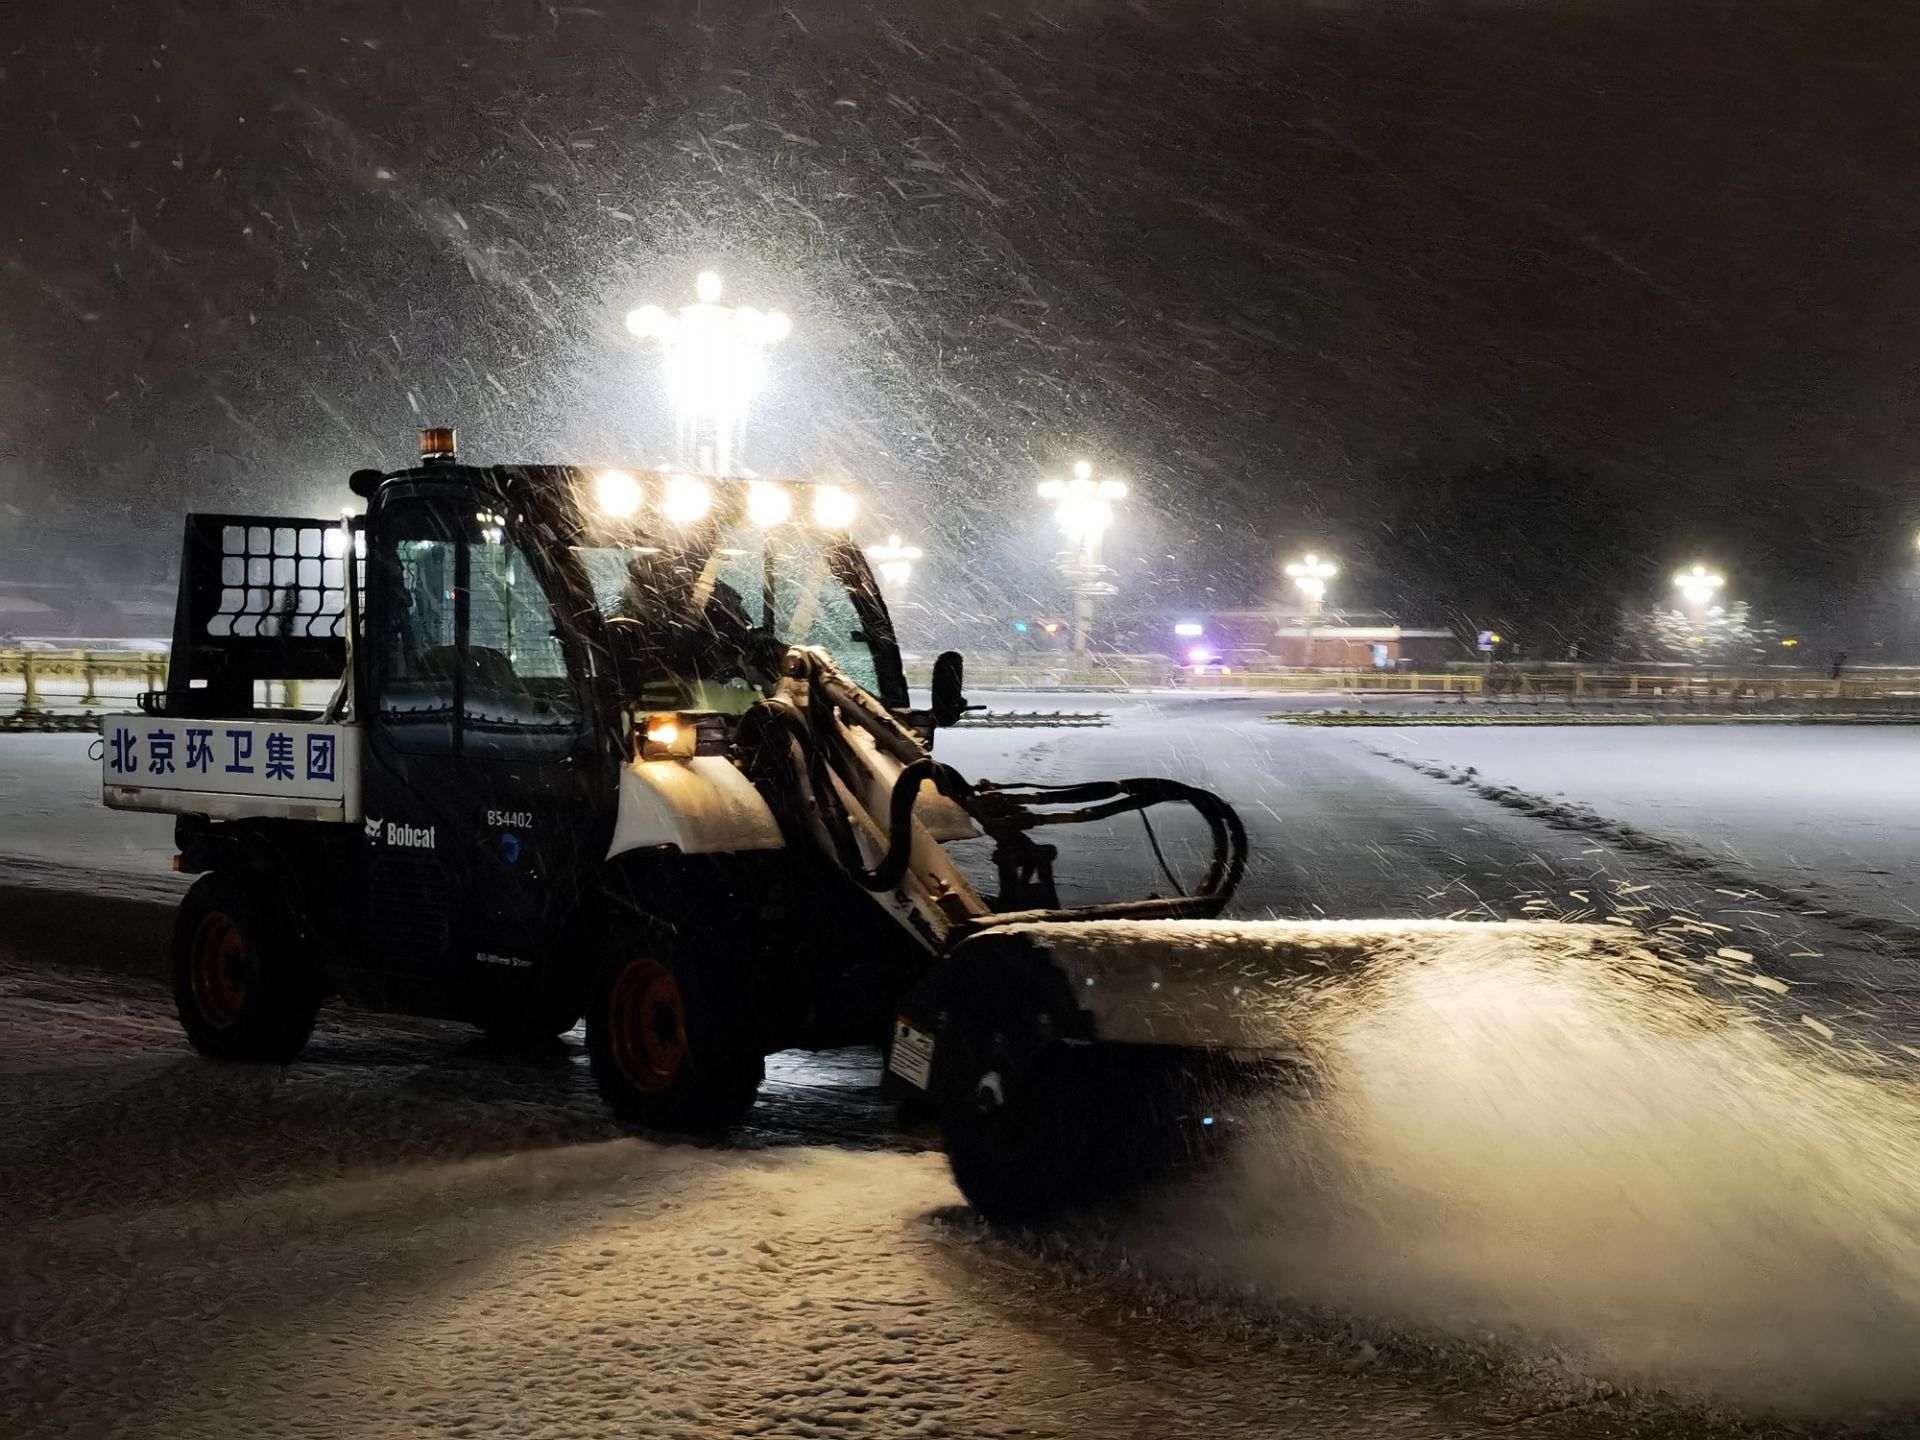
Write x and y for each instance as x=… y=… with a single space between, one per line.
x=72 y=684
x=96 y=680
x=1033 y=719
x=1510 y=686
x=56 y=688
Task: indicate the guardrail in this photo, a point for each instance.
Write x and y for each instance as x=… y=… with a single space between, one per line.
x=1033 y=719
x=87 y=680
x=1334 y=682
x=1518 y=687
x=61 y=688
x=77 y=683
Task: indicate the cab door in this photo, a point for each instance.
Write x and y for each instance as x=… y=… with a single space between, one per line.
x=489 y=787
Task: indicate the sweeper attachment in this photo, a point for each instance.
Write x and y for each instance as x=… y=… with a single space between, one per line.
x=638 y=748
x=1072 y=1056
x=1047 y=1096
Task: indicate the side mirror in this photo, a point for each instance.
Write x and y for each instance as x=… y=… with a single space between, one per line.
x=949 y=673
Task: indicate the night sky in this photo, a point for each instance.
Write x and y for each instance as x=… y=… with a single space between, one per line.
x=1504 y=303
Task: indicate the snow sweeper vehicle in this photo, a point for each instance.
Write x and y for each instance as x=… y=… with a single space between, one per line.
x=638 y=747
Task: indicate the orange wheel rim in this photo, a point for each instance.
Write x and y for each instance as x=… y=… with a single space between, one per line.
x=218 y=962
x=647 y=1022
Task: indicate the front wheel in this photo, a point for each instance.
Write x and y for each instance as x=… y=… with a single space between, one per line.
x=672 y=1034
x=242 y=990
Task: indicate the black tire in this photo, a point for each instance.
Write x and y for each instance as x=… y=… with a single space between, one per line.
x=242 y=990
x=672 y=1032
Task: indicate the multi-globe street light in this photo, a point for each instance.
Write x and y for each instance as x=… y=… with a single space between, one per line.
x=1083 y=506
x=893 y=562
x=1310 y=575
x=1698 y=585
x=716 y=362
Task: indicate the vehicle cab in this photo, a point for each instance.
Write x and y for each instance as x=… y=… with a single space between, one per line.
x=553 y=661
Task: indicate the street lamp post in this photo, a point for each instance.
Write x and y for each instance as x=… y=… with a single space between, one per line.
x=716 y=362
x=1699 y=585
x=893 y=562
x=1310 y=575
x=1083 y=506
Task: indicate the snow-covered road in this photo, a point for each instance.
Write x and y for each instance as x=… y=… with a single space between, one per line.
x=1732 y=827
x=1829 y=811
x=408 y=1233
x=401 y=1236
x=51 y=819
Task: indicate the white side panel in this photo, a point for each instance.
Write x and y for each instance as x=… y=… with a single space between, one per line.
x=702 y=806
x=231 y=769
x=220 y=807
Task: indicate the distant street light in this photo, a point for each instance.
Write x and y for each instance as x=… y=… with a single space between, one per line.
x=1083 y=507
x=894 y=562
x=1699 y=585
x=716 y=362
x=1310 y=575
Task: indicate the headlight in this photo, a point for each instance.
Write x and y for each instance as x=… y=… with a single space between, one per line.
x=834 y=507
x=616 y=493
x=768 y=505
x=679 y=735
x=686 y=500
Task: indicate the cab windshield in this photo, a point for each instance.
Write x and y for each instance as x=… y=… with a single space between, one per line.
x=701 y=625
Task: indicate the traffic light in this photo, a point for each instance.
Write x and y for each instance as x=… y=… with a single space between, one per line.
x=1019 y=627
x=1052 y=627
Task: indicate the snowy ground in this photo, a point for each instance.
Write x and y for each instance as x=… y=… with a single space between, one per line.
x=53 y=828
x=1340 y=828
x=409 y=1234
x=1827 y=811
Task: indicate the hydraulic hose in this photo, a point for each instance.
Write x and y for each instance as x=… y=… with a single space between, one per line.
x=798 y=754
x=801 y=735
x=892 y=868
x=1011 y=806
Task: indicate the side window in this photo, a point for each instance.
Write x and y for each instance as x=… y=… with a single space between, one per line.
x=516 y=672
x=471 y=661
x=421 y=644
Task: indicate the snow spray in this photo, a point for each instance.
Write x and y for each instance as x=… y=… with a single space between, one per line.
x=1585 y=1151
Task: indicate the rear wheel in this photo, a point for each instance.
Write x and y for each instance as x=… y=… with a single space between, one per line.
x=672 y=1033
x=241 y=989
